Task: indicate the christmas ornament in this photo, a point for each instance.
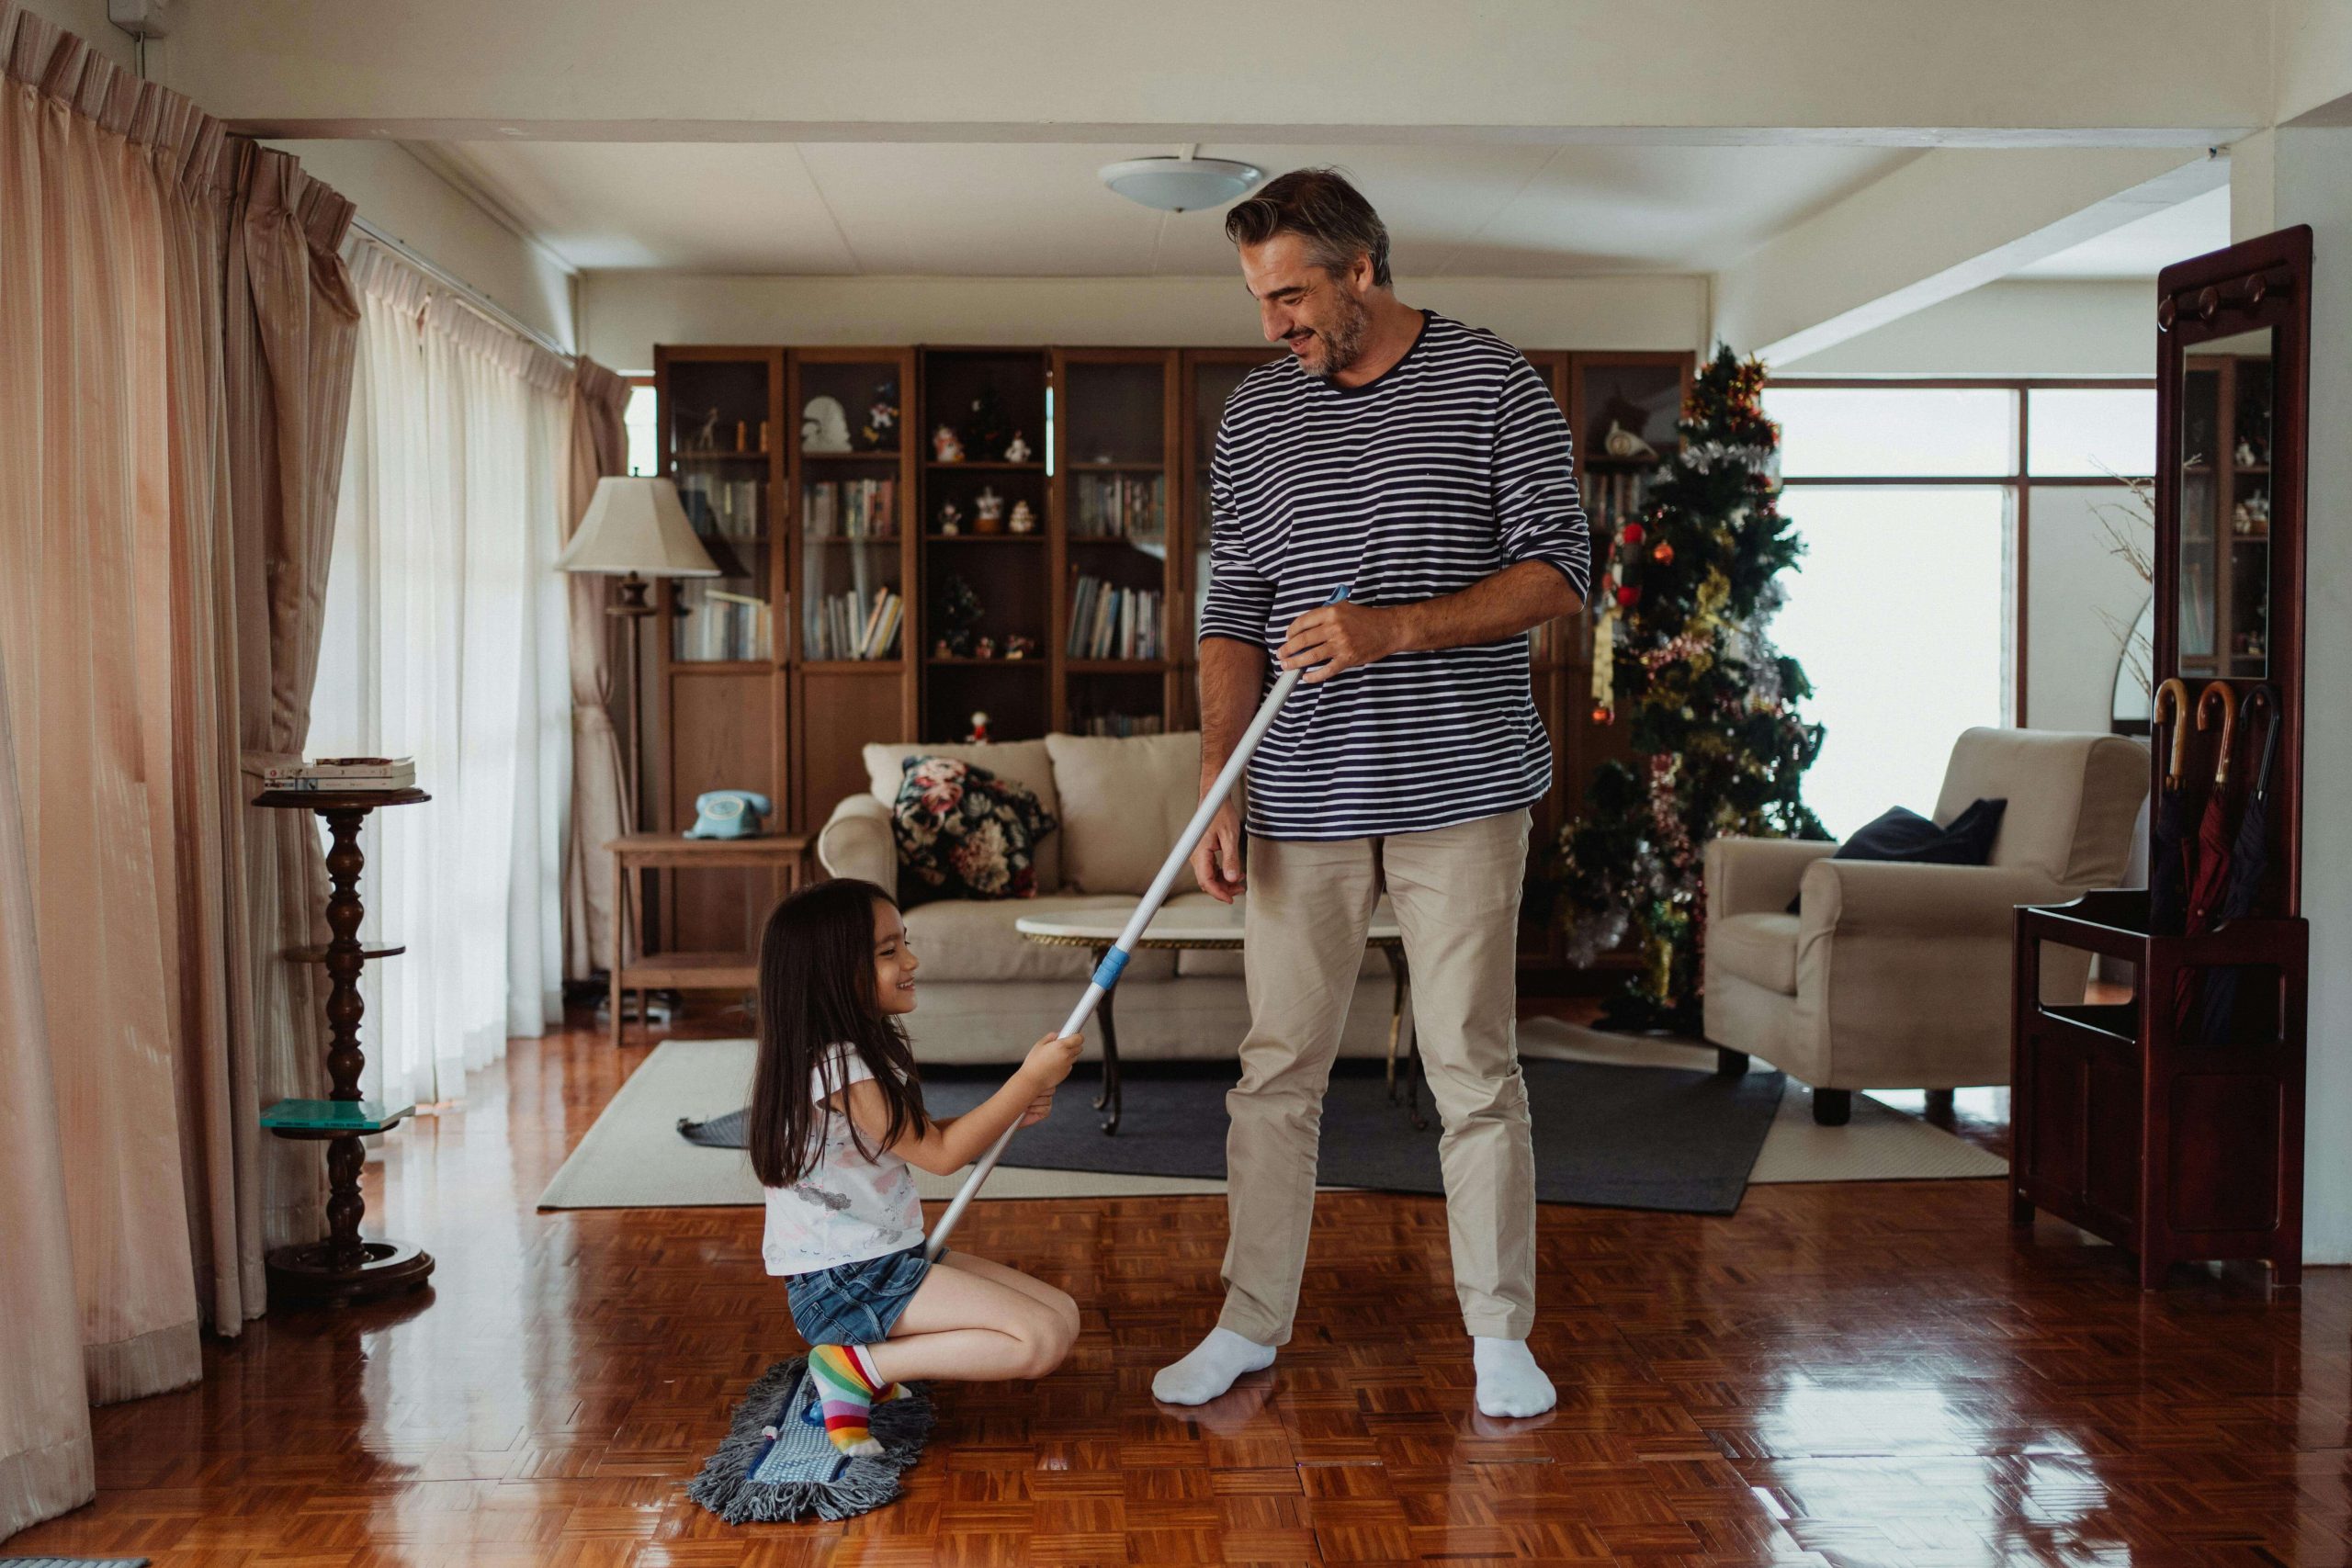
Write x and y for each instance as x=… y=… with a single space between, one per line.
x=1664 y=554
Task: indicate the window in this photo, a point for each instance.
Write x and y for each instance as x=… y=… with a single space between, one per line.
x=644 y=428
x=1909 y=608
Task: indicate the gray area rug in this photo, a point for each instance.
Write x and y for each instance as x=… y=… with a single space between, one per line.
x=1610 y=1136
x=632 y=1158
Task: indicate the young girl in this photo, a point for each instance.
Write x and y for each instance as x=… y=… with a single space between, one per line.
x=837 y=1116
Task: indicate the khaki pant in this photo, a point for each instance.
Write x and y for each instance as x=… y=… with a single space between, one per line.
x=1456 y=892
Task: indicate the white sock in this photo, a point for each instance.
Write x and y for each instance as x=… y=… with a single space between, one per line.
x=1210 y=1369
x=1510 y=1382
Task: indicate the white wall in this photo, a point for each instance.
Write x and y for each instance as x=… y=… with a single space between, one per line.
x=2070 y=577
x=2314 y=187
x=88 y=18
x=2024 y=327
x=400 y=197
x=623 y=314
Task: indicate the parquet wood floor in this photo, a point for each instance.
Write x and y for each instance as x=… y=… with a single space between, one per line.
x=1837 y=1375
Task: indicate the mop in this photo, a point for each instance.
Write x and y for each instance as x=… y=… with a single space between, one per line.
x=777 y=1464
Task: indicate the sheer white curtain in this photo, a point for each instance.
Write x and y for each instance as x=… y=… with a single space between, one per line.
x=447 y=639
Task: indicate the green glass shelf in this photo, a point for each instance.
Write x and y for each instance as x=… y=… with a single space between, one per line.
x=333 y=1116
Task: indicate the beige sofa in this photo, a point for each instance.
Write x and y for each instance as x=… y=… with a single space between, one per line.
x=985 y=994
x=1897 y=976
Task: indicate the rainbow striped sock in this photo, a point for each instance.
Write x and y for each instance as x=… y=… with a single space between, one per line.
x=847 y=1387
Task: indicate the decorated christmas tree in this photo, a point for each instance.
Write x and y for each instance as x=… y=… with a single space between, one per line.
x=1683 y=596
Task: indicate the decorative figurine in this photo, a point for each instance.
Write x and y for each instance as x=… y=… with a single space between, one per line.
x=987 y=512
x=951 y=519
x=945 y=448
x=980 y=734
x=2247 y=457
x=985 y=648
x=824 y=427
x=705 y=436
x=1019 y=646
x=1022 y=521
x=1019 y=451
x=987 y=426
x=881 y=417
x=940 y=650
x=1623 y=443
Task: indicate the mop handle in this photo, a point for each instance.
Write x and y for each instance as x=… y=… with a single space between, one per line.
x=1106 y=973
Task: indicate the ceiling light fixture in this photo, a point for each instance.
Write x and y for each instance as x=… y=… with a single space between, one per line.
x=1181 y=185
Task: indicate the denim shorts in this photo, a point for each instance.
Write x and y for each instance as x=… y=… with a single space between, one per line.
x=856 y=1304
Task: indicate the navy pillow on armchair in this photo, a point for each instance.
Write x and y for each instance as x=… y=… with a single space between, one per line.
x=1905 y=835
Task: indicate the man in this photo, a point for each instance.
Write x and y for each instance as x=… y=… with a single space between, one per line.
x=1424 y=465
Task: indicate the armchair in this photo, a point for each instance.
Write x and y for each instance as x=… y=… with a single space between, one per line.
x=1893 y=974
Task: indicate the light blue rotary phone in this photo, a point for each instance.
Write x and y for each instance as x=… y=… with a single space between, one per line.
x=729 y=813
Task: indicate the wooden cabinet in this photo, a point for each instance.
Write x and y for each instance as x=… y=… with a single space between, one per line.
x=813 y=477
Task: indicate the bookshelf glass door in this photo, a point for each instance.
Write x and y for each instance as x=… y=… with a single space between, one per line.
x=1115 y=542
x=852 y=437
x=719 y=442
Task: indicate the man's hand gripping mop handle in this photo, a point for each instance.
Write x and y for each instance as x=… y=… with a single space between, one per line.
x=1106 y=974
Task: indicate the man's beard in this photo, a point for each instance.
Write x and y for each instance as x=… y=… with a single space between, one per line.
x=1342 y=345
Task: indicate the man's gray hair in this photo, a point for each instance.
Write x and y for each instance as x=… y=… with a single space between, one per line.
x=1321 y=207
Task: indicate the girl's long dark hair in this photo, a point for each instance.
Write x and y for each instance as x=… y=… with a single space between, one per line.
x=816 y=992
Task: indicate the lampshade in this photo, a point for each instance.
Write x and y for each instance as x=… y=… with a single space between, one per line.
x=637 y=526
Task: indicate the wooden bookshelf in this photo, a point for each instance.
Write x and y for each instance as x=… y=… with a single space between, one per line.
x=1117 y=478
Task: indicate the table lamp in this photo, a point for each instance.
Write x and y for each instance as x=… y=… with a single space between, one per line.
x=636 y=529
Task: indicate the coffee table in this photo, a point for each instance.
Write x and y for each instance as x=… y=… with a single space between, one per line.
x=1215 y=929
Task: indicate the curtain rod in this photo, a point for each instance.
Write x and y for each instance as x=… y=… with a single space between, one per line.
x=466 y=294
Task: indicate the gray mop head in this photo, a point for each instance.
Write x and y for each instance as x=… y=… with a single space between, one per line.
x=777 y=1465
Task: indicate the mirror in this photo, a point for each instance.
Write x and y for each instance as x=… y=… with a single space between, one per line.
x=2226 y=404
x=2129 y=711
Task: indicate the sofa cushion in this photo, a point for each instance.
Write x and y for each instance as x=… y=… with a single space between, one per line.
x=965 y=940
x=1761 y=948
x=1025 y=762
x=962 y=832
x=1124 y=802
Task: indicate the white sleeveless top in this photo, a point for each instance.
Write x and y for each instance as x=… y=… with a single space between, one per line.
x=847 y=1207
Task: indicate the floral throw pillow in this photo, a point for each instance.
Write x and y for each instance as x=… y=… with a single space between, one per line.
x=965 y=833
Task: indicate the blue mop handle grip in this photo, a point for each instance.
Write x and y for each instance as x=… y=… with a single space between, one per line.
x=1107 y=972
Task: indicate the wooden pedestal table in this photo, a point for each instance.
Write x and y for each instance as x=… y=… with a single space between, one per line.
x=785 y=854
x=1216 y=930
x=345 y=1266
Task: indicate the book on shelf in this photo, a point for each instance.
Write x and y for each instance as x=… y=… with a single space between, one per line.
x=716 y=504
x=854 y=624
x=1110 y=622
x=1121 y=506
x=718 y=625
x=346 y=773
x=849 y=509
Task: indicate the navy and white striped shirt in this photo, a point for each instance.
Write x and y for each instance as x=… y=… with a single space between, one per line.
x=1448 y=468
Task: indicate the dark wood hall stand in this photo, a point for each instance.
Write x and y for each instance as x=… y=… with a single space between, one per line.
x=2173 y=1125
x=346 y=1265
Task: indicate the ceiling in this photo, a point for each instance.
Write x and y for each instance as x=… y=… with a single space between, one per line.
x=2139 y=250
x=1037 y=210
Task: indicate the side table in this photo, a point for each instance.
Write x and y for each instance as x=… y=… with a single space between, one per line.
x=345 y=1266
x=785 y=854
x=1216 y=930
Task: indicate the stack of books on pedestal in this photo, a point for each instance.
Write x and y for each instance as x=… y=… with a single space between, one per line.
x=346 y=773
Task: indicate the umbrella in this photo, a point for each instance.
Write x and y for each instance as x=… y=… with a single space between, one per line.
x=2209 y=867
x=2248 y=860
x=2167 y=871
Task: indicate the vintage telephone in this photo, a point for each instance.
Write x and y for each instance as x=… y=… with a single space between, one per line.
x=729 y=814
